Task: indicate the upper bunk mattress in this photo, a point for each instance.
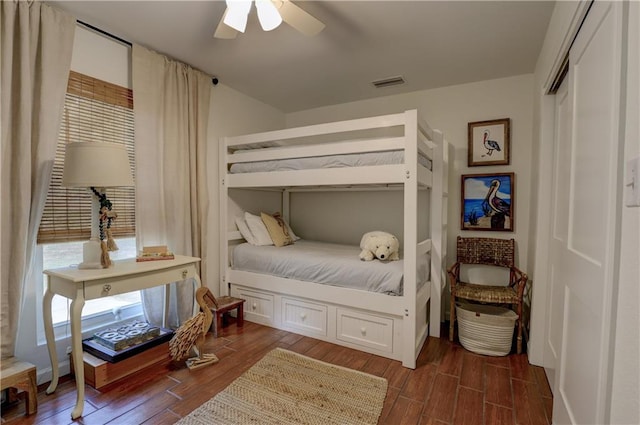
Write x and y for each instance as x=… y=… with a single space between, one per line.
x=327 y=161
x=326 y=263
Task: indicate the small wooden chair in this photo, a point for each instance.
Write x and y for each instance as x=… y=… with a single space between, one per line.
x=222 y=307
x=22 y=376
x=491 y=252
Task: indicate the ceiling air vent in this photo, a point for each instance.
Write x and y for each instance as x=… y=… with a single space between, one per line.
x=386 y=82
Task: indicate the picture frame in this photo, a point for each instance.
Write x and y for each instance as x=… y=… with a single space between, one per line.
x=487 y=202
x=489 y=142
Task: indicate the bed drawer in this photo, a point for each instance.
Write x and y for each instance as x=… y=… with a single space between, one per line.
x=309 y=318
x=365 y=330
x=259 y=306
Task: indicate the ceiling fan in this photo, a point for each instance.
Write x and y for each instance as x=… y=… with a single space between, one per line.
x=271 y=13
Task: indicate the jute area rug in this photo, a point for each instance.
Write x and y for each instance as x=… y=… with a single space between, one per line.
x=288 y=388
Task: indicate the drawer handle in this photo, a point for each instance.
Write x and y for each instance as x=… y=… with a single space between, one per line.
x=254 y=306
x=303 y=316
x=184 y=274
x=106 y=289
x=363 y=331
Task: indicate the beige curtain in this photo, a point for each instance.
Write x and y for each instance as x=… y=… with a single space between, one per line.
x=36 y=43
x=171 y=104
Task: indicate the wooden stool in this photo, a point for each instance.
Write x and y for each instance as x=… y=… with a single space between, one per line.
x=224 y=305
x=21 y=375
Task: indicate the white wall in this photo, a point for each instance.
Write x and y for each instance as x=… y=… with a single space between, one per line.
x=232 y=113
x=625 y=391
x=449 y=109
x=343 y=219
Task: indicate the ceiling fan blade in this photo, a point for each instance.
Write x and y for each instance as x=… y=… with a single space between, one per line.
x=223 y=30
x=299 y=19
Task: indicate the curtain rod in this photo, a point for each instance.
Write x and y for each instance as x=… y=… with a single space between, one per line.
x=103 y=32
x=214 y=80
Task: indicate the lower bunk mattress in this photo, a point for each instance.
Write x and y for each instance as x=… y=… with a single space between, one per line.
x=326 y=263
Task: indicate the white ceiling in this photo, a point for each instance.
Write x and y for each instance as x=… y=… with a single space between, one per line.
x=430 y=43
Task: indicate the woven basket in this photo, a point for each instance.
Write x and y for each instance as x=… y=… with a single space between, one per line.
x=485 y=329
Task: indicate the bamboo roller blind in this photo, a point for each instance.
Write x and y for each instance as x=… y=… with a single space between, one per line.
x=99 y=111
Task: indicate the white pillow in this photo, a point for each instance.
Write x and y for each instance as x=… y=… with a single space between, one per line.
x=244 y=231
x=258 y=229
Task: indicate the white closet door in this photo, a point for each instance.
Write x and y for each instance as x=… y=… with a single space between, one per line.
x=585 y=217
x=559 y=226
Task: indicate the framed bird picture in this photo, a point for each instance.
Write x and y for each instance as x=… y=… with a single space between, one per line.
x=489 y=142
x=487 y=202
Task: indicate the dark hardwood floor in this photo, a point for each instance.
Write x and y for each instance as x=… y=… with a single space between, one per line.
x=449 y=386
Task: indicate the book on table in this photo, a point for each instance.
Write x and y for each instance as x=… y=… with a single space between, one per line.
x=153 y=253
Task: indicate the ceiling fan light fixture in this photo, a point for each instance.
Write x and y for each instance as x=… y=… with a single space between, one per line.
x=237 y=14
x=268 y=15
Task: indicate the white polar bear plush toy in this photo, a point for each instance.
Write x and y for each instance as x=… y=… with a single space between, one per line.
x=381 y=245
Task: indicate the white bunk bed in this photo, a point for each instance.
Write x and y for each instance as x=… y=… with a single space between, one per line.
x=395 y=327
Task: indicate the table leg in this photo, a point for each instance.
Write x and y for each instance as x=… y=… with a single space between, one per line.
x=198 y=284
x=167 y=302
x=76 y=348
x=240 y=313
x=218 y=327
x=51 y=340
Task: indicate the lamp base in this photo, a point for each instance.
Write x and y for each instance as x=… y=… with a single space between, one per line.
x=91 y=253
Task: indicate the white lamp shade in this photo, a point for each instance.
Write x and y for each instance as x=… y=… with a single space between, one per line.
x=237 y=13
x=96 y=164
x=268 y=15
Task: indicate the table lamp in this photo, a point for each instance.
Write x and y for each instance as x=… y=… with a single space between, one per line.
x=96 y=165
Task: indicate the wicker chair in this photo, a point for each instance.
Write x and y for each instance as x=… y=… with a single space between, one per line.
x=493 y=252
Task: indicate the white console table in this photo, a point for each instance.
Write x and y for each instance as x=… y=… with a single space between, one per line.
x=80 y=285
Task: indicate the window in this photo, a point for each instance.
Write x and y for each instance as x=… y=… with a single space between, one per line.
x=94 y=110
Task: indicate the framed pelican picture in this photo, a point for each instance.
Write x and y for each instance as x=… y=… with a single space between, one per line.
x=489 y=142
x=487 y=202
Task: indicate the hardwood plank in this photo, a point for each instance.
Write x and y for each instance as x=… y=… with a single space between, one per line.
x=128 y=397
x=214 y=379
x=291 y=339
x=389 y=402
x=472 y=375
x=497 y=415
x=543 y=383
x=500 y=361
x=451 y=363
x=442 y=398
x=419 y=383
x=347 y=357
x=320 y=350
x=303 y=345
x=376 y=365
x=498 y=386
x=396 y=375
x=520 y=368
x=166 y=417
x=468 y=409
x=529 y=407
x=426 y=420
x=152 y=407
x=548 y=408
x=404 y=412
x=433 y=351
